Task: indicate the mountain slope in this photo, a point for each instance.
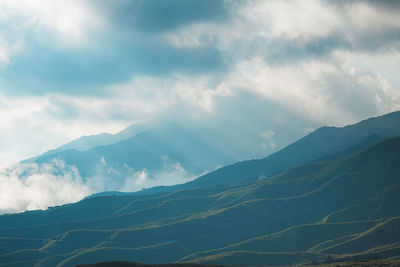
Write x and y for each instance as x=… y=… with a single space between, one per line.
x=164 y=154
x=258 y=221
x=172 y=154
x=150 y=150
x=166 y=151
x=88 y=142
x=324 y=144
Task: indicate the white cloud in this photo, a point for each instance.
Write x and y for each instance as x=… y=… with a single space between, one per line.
x=147 y=97
x=32 y=186
x=335 y=92
x=70 y=19
x=294 y=20
x=68 y=22
x=334 y=88
x=371 y=18
x=257 y=22
x=170 y=174
x=259 y=28
x=267 y=139
x=32 y=125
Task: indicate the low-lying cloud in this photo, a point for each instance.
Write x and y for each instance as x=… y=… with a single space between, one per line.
x=33 y=186
x=168 y=175
x=37 y=186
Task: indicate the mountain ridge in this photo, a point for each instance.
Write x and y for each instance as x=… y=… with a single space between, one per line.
x=306 y=150
x=201 y=222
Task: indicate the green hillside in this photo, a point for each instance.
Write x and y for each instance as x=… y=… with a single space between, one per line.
x=343 y=208
x=373 y=263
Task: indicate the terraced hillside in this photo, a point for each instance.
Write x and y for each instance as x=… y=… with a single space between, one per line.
x=365 y=263
x=343 y=208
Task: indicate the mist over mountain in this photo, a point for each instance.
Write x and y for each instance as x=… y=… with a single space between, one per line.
x=195 y=132
x=295 y=213
x=343 y=209
x=323 y=144
x=87 y=142
x=166 y=157
x=143 y=155
x=151 y=149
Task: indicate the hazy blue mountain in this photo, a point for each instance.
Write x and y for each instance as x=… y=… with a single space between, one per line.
x=324 y=144
x=303 y=214
x=177 y=153
x=171 y=152
x=88 y=142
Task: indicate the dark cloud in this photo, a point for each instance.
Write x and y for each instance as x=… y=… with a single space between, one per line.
x=378 y=40
x=164 y=15
x=283 y=51
x=45 y=69
x=377 y=3
x=385 y=3
x=115 y=54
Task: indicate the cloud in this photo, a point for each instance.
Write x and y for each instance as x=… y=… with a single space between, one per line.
x=154 y=16
x=170 y=174
x=78 y=47
x=292 y=20
x=31 y=186
x=83 y=72
x=267 y=137
x=69 y=21
x=32 y=125
x=326 y=92
x=4 y=51
x=142 y=38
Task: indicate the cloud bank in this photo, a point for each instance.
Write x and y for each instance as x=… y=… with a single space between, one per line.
x=32 y=186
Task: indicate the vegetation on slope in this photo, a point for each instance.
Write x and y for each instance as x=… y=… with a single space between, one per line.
x=292 y=218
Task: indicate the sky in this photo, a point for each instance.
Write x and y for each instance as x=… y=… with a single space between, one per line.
x=70 y=68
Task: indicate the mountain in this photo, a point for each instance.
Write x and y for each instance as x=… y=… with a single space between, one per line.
x=157 y=154
x=343 y=208
x=88 y=142
x=150 y=155
x=167 y=153
x=151 y=150
x=323 y=144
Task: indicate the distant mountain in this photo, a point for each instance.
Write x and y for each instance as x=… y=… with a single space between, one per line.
x=343 y=208
x=88 y=142
x=178 y=153
x=324 y=144
x=171 y=151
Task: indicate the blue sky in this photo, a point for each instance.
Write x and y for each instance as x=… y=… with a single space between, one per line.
x=275 y=69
